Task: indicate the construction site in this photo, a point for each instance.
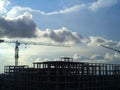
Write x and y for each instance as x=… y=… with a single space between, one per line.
x=63 y=74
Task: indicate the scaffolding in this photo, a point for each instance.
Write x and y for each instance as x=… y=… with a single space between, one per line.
x=64 y=75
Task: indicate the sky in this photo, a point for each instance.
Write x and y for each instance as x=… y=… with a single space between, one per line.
x=83 y=25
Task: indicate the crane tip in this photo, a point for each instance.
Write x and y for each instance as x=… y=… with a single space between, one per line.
x=1 y=40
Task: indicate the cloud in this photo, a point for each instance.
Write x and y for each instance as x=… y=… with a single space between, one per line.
x=61 y=35
x=102 y=4
x=109 y=58
x=3 y=5
x=93 y=57
x=89 y=6
x=18 y=10
x=23 y=26
x=112 y=58
x=97 y=54
x=97 y=57
x=19 y=23
x=78 y=58
x=69 y=10
x=95 y=40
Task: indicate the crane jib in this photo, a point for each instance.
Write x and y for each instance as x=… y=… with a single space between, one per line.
x=1 y=41
x=17 y=44
x=110 y=48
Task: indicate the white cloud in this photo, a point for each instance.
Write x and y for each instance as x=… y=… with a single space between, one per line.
x=112 y=58
x=109 y=58
x=62 y=35
x=102 y=4
x=17 y=11
x=69 y=10
x=3 y=5
x=74 y=8
x=97 y=54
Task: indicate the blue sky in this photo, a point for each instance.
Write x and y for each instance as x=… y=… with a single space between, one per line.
x=84 y=24
x=104 y=21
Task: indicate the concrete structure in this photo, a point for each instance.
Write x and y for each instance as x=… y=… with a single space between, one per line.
x=63 y=75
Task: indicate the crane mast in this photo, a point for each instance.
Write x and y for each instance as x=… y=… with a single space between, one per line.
x=17 y=44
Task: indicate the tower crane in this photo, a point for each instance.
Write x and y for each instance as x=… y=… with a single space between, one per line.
x=17 y=44
x=110 y=48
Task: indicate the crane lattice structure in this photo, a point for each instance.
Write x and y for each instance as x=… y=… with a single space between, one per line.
x=17 y=44
x=110 y=48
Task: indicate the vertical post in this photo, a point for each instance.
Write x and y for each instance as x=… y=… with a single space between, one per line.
x=16 y=53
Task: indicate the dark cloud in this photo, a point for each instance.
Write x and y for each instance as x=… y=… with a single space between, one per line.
x=62 y=35
x=102 y=41
x=22 y=27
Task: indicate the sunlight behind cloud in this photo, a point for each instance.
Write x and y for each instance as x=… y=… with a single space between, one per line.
x=3 y=5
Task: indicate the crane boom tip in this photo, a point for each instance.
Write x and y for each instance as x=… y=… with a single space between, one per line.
x=1 y=40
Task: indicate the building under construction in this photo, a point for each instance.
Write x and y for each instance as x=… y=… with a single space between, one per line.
x=63 y=75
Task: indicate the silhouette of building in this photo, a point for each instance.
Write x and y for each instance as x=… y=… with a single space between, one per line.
x=63 y=75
